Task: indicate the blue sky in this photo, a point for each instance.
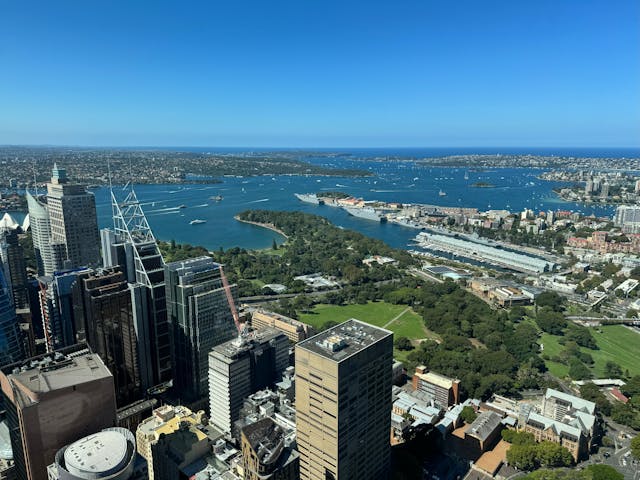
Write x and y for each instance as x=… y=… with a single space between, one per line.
x=313 y=73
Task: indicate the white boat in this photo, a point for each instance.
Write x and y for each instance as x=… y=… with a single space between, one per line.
x=441 y=193
x=368 y=213
x=197 y=221
x=308 y=198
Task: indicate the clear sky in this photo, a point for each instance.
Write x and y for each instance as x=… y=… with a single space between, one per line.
x=320 y=73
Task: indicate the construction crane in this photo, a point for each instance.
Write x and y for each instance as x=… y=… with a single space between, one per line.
x=232 y=304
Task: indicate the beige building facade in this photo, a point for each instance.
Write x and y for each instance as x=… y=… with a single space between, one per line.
x=343 y=403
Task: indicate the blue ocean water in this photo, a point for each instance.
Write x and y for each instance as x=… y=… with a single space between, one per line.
x=405 y=181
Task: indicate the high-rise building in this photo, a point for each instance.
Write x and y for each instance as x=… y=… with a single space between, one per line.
x=343 y=402
x=11 y=349
x=132 y=246
x=110 y=329
x=604 y=191
x=12 y=256
x=61 y=321
x=589 y=187
x=627 y=217
x=52 y=401
x=240 y=367
x=73 y=220
x=198 y=310
x=49 y=254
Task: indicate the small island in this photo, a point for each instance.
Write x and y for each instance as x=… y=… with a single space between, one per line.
x=483 y=185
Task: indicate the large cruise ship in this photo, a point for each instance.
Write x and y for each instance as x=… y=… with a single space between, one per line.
x=309 y=198
x=368 y=213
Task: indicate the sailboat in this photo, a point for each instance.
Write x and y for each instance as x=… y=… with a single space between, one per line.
x=441 y=193
x=466 y=175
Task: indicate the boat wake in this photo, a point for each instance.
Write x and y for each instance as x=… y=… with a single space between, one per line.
x=258 y=201
x=173 y=212
x=168 y=209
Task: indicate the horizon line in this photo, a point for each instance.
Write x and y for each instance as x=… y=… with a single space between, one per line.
x=406 y=147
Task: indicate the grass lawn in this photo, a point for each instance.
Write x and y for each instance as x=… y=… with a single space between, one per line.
x=552 y=348
x=270 y=251
x=375 y=313
x=409 y=324
x=616 y=343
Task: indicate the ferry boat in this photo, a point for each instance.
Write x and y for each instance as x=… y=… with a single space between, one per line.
x=368 y=213
x=197 y=221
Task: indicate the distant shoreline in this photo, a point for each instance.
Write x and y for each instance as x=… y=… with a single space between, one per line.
x=268 y=226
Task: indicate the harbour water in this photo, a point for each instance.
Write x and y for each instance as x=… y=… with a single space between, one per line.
x=392 y=181
x=515 y=189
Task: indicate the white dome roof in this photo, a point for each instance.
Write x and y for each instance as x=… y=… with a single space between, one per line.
x=97 y=455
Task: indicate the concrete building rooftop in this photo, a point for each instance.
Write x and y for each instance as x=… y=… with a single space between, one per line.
x=233 y=348
x=436 y=379
x=344 y=340
x=167 y=419
x=191 y=266
x=57 y=371
x=102 y=452
x=266 y=438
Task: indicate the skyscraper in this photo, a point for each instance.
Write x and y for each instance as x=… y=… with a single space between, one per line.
x=110 y=329
x=132 y=245
x=199 y=312
x=61 y=321
x=343 y=400
x=54 y=400
x=12 y=256
x=628 y=218
x=239 y=368
x=10 y=342
x=73 y=220
x=49 y=254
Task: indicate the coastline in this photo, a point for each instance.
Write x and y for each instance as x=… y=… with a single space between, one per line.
x=268 y=226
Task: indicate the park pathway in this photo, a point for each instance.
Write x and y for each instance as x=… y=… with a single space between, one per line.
x=396 y=317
